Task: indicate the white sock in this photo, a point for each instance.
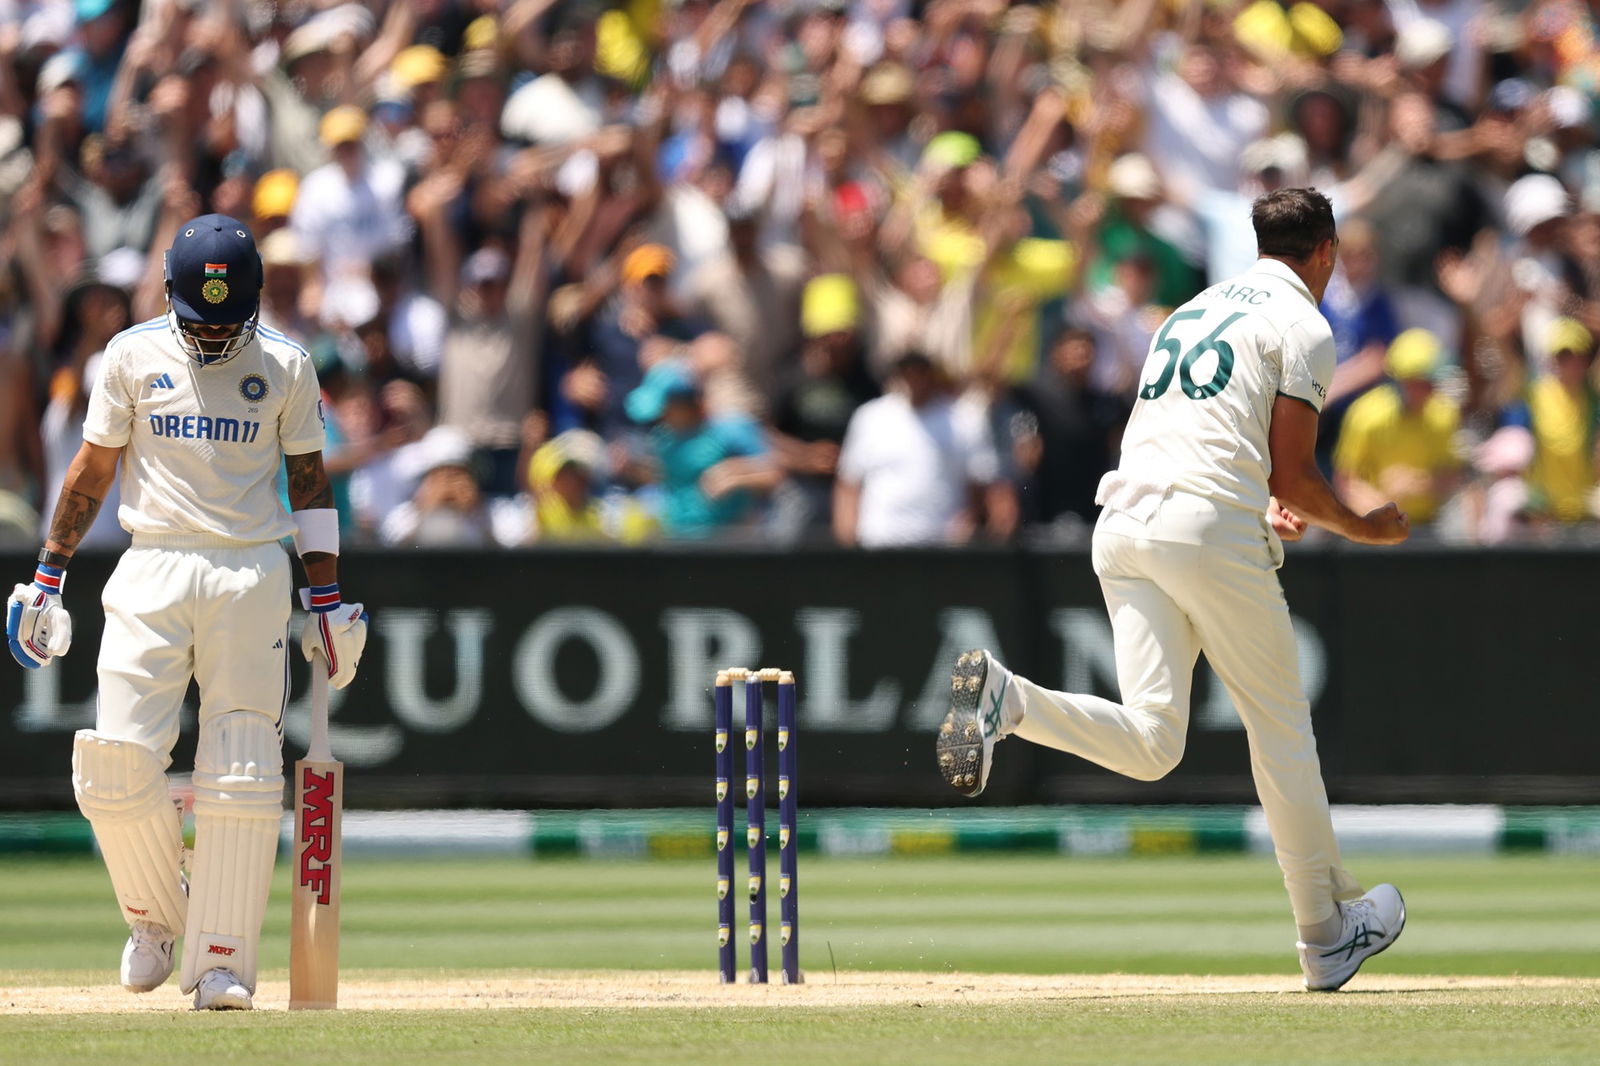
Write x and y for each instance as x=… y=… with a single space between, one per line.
x=1011 y=710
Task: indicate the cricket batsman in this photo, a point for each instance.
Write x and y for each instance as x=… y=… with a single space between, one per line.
x=200 y=408
x=1217 y=470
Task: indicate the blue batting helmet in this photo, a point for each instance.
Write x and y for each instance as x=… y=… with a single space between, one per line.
x=213 y=275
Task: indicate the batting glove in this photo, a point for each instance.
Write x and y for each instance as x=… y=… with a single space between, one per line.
x=38 y=628
x=336 y=629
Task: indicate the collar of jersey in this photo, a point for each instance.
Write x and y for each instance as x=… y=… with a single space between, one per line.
x=1283 y=273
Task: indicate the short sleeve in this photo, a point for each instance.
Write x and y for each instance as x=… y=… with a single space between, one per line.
x=1308 y=360
x=305 y=218
x=1041 y=268
x=1447 y=423
x=109 y=421
x=301 y=427
x=742 y=436
x=977 y=444
x=852 y=452
x=1352 y=453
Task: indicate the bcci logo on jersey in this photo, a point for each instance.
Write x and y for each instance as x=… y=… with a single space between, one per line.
x=253 y=387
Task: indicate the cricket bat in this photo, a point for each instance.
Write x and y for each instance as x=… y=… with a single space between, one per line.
x=318 y=813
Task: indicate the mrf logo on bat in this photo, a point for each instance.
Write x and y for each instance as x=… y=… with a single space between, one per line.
x=316 y=832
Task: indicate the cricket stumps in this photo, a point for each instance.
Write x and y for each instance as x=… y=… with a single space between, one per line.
x=756 y=822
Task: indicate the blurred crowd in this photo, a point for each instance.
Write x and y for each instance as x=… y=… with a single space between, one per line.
x=873 y=272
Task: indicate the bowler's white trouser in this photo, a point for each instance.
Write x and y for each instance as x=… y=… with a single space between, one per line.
x=1196 y=577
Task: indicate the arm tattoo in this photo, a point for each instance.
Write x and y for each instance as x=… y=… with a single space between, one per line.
x=75 y=513
x=308 y=482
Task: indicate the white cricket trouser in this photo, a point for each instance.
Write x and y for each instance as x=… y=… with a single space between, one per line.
x=219 y=614
x=1212 y=586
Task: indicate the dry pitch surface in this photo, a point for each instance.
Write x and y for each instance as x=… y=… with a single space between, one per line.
x=696 y=990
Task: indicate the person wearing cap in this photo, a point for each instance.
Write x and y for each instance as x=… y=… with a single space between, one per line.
x=1440 y=38
x=419 y=72
x=975 y=240
x=1398 y=441
x=1538 y=213
x=885 y=93
x=58 y=98
x=1565 y=416
x=478 y=89
x=1266 y=164
x=1139 y=223
x=489 y=363
x=1571 y=113
x=448 y=509
x=272 y=200
x=1422 y=50
x=285 y=271
x=102 y=38
x=199 y=408
x=642 y=313
x=300 y=91
x=712 y=469
x=351 y=210
x=819 y=394
x=563 y=474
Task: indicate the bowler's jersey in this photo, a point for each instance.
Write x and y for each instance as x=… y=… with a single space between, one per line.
x=204 y=443
x=1206 y=392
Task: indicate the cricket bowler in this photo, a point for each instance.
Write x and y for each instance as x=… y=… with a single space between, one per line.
x=1217 y=471
x=200 y=407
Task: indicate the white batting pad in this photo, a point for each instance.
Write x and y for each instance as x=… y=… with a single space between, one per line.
x=122 y=789
x=238 y=802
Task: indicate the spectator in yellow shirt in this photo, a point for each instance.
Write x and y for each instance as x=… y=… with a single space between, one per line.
x=968 y=228
x=1563 y=410
x=1398 y=441
x=562 y=474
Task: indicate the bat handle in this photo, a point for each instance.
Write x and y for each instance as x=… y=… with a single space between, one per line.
x=318 y=750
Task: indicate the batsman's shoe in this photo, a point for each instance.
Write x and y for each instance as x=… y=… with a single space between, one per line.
x=147 y=957
x=965 y=745
x=221 y=990
x=1371 y=924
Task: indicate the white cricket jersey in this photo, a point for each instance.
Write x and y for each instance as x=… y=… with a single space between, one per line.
x=1214 y=370
x=203 y=444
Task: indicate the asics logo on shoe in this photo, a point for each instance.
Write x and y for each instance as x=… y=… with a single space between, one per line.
x=1361 y=940
x=991 y=719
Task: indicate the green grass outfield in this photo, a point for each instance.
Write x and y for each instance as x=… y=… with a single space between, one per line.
x=483 y=921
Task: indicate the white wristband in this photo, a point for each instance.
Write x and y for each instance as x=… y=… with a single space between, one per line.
x=316 y=530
